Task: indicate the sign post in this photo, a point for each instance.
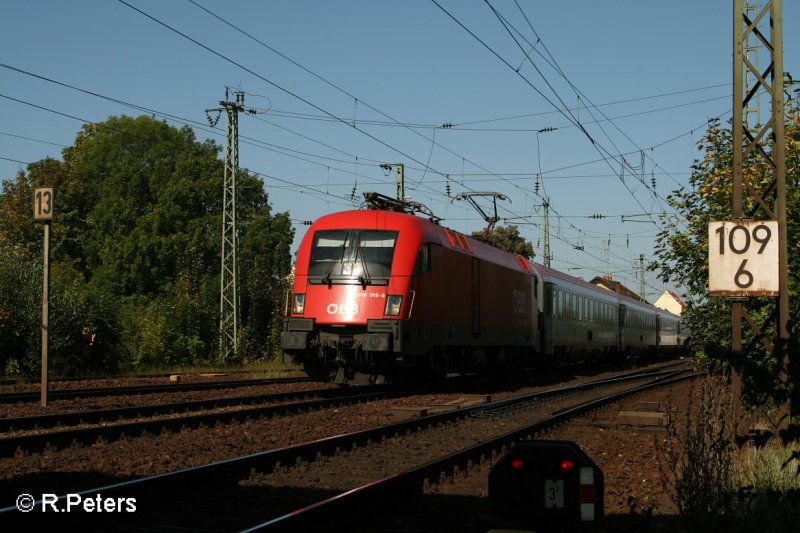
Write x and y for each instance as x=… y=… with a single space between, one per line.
x=43 y=212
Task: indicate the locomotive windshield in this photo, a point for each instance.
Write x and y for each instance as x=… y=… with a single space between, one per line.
x=352 y=257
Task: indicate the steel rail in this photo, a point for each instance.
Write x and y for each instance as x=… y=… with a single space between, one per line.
x=151 y=491
x=68 y=394
x=322 y=515
x=9 y=446
x=99 y=416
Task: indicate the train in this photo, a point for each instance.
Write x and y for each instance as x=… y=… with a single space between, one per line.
x=383 y=294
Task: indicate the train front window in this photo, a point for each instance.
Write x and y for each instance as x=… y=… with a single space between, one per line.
x=352 y=257
x=327 y=251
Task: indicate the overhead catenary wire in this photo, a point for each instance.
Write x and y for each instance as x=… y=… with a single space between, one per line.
x=564 y=108
x=362 y=159
x=246 y=140
x=302 y=188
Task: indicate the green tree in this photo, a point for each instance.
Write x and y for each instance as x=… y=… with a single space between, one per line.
x=266 y=262
x=509 y=239
x=137 y=226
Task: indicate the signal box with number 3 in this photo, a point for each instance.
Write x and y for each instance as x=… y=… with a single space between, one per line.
x=547 y=481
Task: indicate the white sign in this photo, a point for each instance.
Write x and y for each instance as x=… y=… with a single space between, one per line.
x=743 y=258
x=43 y=203
x=553 y=493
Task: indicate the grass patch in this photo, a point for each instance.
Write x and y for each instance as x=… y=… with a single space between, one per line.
x=717 y=486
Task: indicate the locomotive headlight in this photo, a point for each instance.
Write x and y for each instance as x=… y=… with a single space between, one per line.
x=298 y=304
x=393 y=303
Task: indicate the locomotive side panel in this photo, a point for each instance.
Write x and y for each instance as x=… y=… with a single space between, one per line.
x=508 y=308
x=470 y=313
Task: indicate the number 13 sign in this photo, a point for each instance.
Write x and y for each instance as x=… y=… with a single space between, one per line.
x=743 y=258
x=43 y=203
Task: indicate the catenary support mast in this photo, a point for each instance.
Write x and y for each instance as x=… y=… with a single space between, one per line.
x=229 y=271
x=749 y=140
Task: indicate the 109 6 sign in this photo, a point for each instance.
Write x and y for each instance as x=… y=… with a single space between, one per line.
x=743 y=258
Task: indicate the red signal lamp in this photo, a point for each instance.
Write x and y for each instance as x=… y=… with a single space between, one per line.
x=516 y=463
x=566 y=465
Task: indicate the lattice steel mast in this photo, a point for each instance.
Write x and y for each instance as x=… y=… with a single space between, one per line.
x=229 y=271
x=769 y=203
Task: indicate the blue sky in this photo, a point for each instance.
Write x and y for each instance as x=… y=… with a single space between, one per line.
x=640 y=78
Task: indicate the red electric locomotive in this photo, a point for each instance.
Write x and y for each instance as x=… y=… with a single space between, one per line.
x=384 y=295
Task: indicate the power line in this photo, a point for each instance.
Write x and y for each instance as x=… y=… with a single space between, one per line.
x=32 y=139
x=272 y=83
x=563 y=109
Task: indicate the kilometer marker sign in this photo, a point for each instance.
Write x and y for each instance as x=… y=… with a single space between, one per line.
x=743 y=258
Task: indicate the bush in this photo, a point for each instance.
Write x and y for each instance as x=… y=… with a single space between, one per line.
x=166 y=332
x=696 y=458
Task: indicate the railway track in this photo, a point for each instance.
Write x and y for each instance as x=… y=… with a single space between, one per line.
x=111 y=428
x=220 y=488
x=68 y=394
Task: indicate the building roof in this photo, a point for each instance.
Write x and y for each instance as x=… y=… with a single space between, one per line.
x=677 y=299
x=606 y=282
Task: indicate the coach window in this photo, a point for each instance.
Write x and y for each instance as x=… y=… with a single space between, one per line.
x=561 y=304
x=554 y=307
x=423 y=263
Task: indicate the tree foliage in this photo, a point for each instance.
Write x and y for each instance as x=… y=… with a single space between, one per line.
x=509 y=239
x=682 y=252
x=136 y=247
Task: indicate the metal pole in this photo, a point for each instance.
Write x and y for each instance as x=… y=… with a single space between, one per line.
x=642 y=287
x=229 y=271
x=547 y=234
x=400 y=182
x=779 y=156
x=45 y=311
x=736 y=205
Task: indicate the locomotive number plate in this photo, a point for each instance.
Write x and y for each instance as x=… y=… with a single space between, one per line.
x=554 y=493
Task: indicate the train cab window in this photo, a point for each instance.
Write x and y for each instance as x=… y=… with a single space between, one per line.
x=376 y=251
x=352 y=256
x=423 y=262
x=328 y=248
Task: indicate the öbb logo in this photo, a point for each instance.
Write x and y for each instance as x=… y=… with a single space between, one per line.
x=342 y=309
x=518 y=302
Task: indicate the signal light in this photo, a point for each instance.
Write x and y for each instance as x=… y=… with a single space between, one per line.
x=566 y=465
x=516 y=463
